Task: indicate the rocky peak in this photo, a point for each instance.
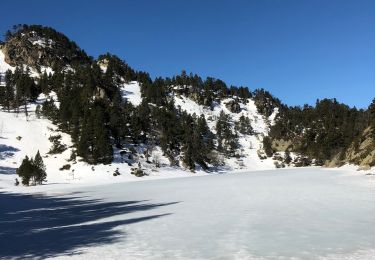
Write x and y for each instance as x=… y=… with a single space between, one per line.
x=37 y=46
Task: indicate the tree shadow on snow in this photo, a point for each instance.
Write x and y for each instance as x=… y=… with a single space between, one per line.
x=7 y=170
x=39 y=226
x=7 y=151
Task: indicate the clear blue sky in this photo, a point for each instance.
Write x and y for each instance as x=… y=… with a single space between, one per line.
x=299 y=50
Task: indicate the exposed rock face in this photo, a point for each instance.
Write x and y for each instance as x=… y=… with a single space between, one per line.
x=35 y=50
x=362 y=152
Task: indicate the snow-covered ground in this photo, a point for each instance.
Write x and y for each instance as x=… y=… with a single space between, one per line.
x=132 y=93
x=309 y=213
x=21 y=136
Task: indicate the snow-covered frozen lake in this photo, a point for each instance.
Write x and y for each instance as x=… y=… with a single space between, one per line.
x=280 y=214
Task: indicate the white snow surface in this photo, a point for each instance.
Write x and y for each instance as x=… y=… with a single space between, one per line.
x=3 y=65
x=305 y=213
x=132 y=92
x=43 y=42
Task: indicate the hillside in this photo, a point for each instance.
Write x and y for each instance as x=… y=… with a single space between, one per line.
x=89 y=118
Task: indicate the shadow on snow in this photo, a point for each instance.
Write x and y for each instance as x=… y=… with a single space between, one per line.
x=7 y=151
x=40 y=226
x=7 y=170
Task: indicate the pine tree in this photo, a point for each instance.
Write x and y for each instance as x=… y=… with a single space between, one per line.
x=43 y=83
x=102 y=148
x=25 y=88
x=85 y=142
x=40 y=169
x=267 y=146
x=25 y=171
x=189 y=142
x=244 y=126
x=227 y=140
x=9 y=90
x=49 y=110
x=94 y=144
x=32 y=171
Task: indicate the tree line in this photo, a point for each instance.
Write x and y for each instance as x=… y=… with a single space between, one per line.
x=322 y=131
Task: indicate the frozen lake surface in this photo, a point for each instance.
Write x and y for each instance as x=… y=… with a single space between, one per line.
x=280 y=214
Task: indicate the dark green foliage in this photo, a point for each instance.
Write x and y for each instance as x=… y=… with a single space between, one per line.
x=197 y=142
x=49 y=110
x=94 y=144
x=140 y=122
x=244 y=126
x=371 y=114
x=226 y=138
x=205 y=92
x=320 y=132
x=44 y=83
x=32 y=171
x=57 y=146
x=267 y=146
x=39 y=169
x=116 y=68
x=155 y=92
x=166 y=129
x=92 y=110
x=265 y=102
x=65 y=167
x=25 y=171
x=8 y=94
x=120 y=120
x=19 y=89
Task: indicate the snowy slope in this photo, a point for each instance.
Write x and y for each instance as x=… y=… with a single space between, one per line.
x=250 y=144
x=34 y=134
x=132 y=92
x=21 y=136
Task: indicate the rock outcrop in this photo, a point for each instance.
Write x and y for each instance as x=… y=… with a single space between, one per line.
x=362 y=151
x=41 y=46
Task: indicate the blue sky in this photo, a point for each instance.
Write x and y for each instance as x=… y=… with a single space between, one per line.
x=299 y=50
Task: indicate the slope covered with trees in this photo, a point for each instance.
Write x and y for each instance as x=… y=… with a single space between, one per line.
x=324 y=131
x=90 y=106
